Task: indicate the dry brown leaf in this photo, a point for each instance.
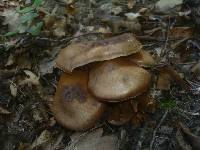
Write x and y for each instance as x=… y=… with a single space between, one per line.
x=190 y=138
x=10 y=60
x=71 y=9
x=130 y=4
x=181 y=32
x=4 y=111
x=196 y=70
x=43 y=138
x=24 y=146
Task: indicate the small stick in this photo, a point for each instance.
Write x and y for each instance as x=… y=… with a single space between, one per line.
x=156 y=129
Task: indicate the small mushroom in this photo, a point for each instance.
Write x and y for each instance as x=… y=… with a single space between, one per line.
x=117 y=80
x=79 y=54
x=142 y=58
x=74 y=107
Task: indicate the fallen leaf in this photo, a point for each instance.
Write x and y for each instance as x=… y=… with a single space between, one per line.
x=181 y=32
x=32 y=79
x=196 y=70
x=12 y=18
x=132 y=16
x=190 y=138
x=116 y=10
x=165 y=6
x=10 y=60
x=94 y=140
x=13 y=89
x=24 y=146
x=43 y=138
x=130 y=4
x=4 y=111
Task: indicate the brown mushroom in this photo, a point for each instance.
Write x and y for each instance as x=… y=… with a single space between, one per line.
x=74 y=107
x=120 y=113
x=142 y=106
x=79 y=54
x=142 y=58
x=117 y=80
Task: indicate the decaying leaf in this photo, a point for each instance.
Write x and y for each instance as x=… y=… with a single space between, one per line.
x=94 y=140
x=24 y=146
x=55 y=25
x=4 y=111
x=186 y=139
x=117 y=24
x=131 y=3
x=13 y=89
x=116 y=10
x=165 y=6
x=12 y=18
x=80 y=54
x=32 y=79
x=132 y=16
x=43 y=138
x=181 y=32
x=196 y=70
x=10 y=60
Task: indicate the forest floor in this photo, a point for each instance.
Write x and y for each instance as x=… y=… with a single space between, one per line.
x=33 y=32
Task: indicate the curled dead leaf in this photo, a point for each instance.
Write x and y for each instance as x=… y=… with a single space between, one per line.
x=32 y=79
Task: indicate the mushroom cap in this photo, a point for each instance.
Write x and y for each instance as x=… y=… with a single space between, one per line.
x=73 y=106
x=142 y=58
x=117 y=80
x=79 y=54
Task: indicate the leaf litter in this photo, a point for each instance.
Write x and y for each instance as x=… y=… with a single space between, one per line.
x=28 y=76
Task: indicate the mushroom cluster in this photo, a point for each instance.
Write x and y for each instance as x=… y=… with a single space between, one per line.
x=112 y=79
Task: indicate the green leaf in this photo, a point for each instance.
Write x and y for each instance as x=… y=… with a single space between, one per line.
x=168 y=104
x=25 y=10
x=35 y=30
x=28 y=17
x=37 y=3
x=10 y=33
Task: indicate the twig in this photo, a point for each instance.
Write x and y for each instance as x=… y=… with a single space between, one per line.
x=156 y=129
x=141 y=139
